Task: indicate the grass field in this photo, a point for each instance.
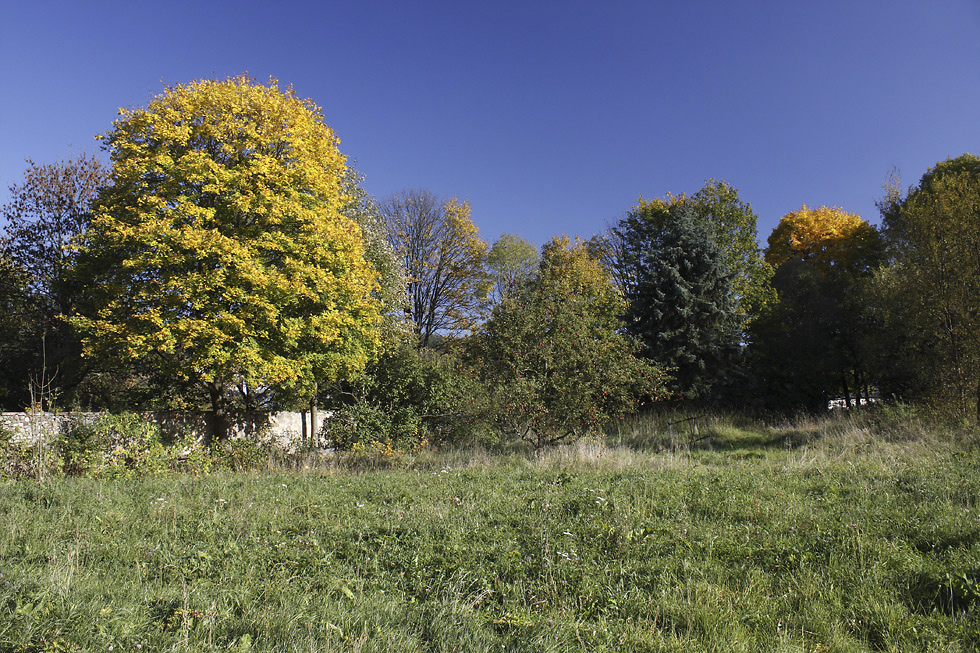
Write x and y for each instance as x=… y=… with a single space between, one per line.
x=832 y=535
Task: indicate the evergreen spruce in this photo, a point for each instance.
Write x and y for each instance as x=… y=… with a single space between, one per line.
x=680 y=301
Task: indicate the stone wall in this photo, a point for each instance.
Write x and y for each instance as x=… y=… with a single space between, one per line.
x=285 y=428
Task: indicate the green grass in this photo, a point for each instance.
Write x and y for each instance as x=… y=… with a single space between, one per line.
x=832 y=535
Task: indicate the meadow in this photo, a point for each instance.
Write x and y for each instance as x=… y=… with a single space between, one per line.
x=838 y=534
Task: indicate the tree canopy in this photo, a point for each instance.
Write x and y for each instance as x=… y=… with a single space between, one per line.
x=732 y=224
x=230 y=256
x=680 y=295
x=219 y=250
x=378 y=250
x=934 y=281
x=511 y=261
x=551 y=354
x=48 y=212
x=443 y=258
x=830 y=239
x=813 y=343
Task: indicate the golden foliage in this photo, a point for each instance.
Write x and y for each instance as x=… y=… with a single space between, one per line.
x=219 y=247
x=824 y=237
x=575 y=268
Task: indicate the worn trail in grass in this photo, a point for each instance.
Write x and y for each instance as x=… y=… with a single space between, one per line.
x=825 y=546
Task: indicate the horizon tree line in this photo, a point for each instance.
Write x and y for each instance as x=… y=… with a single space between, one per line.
x=238 y=263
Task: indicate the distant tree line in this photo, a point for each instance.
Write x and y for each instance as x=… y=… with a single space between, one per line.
x=228 y=258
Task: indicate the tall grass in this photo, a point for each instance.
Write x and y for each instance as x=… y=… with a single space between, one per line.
x=839 y=534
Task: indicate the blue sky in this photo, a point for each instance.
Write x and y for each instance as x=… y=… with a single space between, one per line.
x=549 y=117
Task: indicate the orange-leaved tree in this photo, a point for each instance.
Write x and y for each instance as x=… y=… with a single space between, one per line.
x=829 y=239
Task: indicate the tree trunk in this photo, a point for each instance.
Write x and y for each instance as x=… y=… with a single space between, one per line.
x=314 y=432
x=847 y=393
x=218 y=422
x=978 y=401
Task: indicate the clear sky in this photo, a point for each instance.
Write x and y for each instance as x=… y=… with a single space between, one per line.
x=549 y=116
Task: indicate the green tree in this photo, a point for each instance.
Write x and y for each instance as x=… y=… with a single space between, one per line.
x=680 y=294
x=46 y=215
x=219 y=253
x=14 y=330
x=794 y=349
x=553 y=361
x=895 y=220
x=901 y=360
x=443 y=258
x=391 y=291
x=511 y=261
x=405 y=399
x=935 y=276
x=732 y=225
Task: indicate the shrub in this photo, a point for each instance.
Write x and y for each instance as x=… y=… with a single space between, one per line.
x=555 y=372
x=109 y=446
x=361 y=424
x=240 y=454
x=406 y=399
x=120 y=445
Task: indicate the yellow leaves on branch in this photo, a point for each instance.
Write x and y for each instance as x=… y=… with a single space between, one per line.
x=659 y=203
x=576 y=266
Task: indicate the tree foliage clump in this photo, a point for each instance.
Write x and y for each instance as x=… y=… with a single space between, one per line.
x=218 y=253
x=554 y=363
x=834 y=242
x=378 y=250
x=814 y=343
x=511 y=261
x=682 y=304
x=931 y=289
x=732 y=224
x=895 y=224
x=443 y=259
x=406 y=399
x=48 y=212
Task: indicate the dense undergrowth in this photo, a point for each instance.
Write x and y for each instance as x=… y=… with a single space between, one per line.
x=724 y=534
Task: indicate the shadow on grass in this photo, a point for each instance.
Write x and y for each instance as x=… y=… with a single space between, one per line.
x=948 y=592
x=730 y=433
x=721 y=440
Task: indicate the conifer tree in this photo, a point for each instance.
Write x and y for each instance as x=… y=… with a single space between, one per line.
x=680 y=300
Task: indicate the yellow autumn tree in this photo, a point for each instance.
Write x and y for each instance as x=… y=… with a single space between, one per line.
x=218 y=254
x=814 y=343
x=826 y=238
x=574 y=267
